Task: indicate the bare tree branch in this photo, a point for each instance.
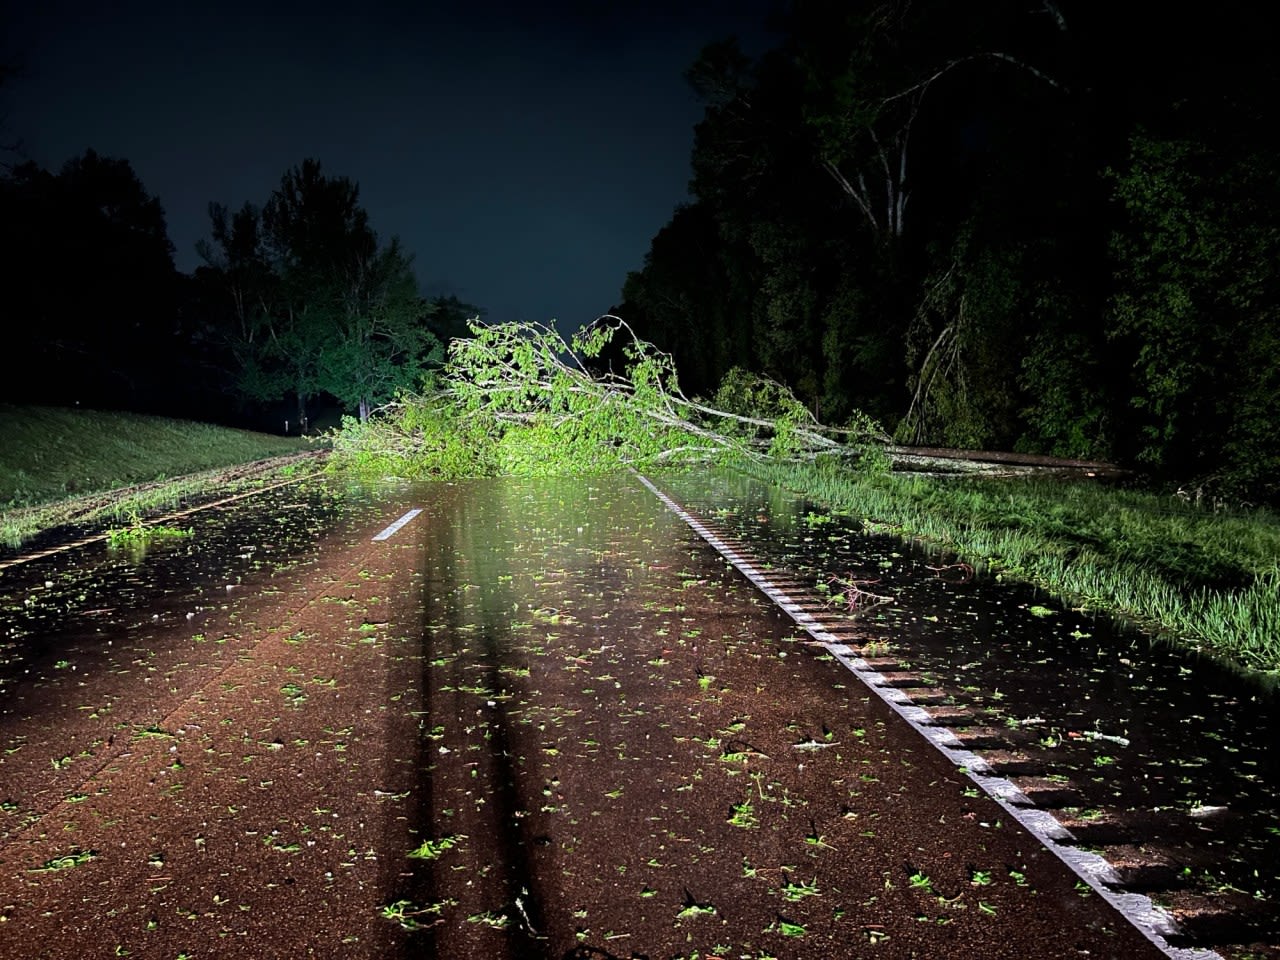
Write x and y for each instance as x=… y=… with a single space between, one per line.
x=858 y=197
x=1053 y=10
x=960 y=61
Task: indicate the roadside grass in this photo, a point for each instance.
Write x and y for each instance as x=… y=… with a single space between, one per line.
x=50 y=456
x=1208 y=581
x=138 y=535
x=47 y=453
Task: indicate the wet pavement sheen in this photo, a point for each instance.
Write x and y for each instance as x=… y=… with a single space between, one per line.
x=543 y=719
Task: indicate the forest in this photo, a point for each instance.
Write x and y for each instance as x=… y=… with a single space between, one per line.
x=1049 y=228
x=1053 y=227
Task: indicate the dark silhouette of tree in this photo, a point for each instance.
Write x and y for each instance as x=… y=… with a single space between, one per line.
x=91 y=286
x=906 y=208
x=314 y=303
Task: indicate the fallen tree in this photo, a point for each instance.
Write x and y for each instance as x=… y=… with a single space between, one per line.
x=517 y=398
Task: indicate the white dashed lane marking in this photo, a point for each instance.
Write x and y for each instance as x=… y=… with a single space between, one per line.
x=388 y=533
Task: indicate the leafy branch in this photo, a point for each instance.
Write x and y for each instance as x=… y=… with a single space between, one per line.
x=529 y=401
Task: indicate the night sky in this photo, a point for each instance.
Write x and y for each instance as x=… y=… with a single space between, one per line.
x=525 y=153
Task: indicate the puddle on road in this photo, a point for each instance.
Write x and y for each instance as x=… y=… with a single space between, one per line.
x=631 y=753
x=66 y=605
x=152 y=779
x=1150 y=747
x=93 y=640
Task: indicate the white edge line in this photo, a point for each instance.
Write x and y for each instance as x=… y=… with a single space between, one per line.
x=388 y=533
x=1152 y=921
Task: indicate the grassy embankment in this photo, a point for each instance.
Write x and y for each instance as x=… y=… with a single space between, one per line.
x=51 y=459
x=1206 y=580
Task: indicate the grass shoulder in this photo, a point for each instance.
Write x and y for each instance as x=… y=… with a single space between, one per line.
x=1205 y=580
x=94 y=469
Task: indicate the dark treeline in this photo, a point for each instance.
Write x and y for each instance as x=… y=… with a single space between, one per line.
x=90 y=297
x=1050 y=227
x=310 y=303
x=298 y=307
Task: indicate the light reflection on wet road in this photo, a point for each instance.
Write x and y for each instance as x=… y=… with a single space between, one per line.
x=1147 y=751
x=1165 y=760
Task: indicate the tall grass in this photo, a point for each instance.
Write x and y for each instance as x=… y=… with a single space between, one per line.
x=1210 y=581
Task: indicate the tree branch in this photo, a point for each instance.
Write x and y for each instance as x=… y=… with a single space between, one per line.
x=950 y=65
x=852 y=192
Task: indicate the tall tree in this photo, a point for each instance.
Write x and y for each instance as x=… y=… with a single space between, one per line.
x=682 y=297
x=246 y=287
x=316 y=305
x=871 y=71
x=91 y=285
x=378 y=341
